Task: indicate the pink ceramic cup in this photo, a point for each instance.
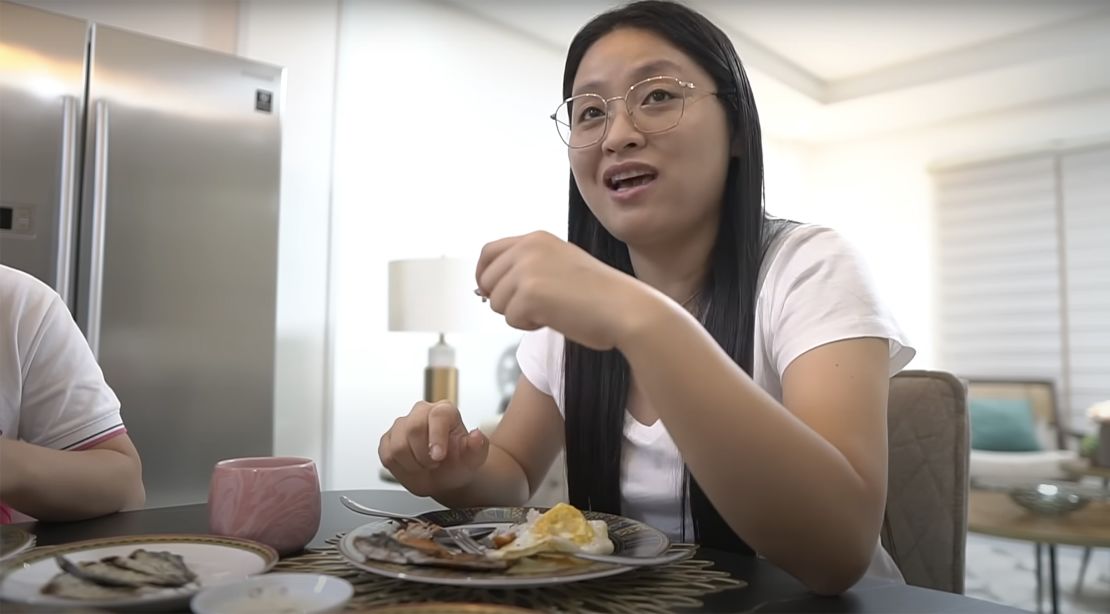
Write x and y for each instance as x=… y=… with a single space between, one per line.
x=271 y=499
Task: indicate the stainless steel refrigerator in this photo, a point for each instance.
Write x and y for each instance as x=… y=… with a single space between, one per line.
x=140 y=179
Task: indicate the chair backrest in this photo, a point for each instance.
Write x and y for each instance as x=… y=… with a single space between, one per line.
x=925 y=527
x=1041 y=395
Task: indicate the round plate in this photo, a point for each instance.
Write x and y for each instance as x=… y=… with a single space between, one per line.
x=214 y=559
x=13 y=541
x=629 y=537
x=276 y=592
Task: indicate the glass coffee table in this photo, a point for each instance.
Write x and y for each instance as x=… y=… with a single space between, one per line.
x=1084 y=468
x=1011 y=510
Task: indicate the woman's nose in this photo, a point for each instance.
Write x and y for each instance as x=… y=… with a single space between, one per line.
x=622 y=132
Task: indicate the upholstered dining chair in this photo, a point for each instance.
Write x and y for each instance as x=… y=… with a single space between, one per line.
x=925 y=527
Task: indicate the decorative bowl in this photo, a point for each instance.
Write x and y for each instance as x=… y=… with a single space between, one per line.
x=1048 y=499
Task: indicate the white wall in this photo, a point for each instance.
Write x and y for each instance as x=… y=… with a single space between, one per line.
x=443 y=143
x=301 y=36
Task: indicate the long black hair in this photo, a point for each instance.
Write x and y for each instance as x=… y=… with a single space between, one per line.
x=596 y=383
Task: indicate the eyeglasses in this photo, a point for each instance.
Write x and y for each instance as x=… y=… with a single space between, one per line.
x=655 y=104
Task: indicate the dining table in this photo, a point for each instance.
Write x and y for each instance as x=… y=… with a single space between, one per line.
x=714 y=580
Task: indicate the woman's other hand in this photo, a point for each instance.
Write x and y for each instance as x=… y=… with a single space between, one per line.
x=431 y=452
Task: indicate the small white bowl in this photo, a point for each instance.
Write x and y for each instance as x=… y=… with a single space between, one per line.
x=275 y=593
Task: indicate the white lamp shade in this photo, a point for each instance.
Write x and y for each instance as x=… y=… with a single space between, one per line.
x=433 y=295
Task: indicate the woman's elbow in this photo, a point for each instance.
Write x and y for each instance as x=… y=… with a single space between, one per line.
x=832 y=583
x=136 y=498
x=833 y=577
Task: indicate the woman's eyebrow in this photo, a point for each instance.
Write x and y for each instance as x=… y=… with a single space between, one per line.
x=648 y=69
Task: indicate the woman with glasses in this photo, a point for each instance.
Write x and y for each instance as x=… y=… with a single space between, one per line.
x=711 y=371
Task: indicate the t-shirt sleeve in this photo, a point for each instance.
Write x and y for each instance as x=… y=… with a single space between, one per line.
x=531 y=355
x=65 y=404
x=540 y=356
x=822 y=292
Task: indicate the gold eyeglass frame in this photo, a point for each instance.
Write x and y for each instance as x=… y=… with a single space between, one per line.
x=685 y=85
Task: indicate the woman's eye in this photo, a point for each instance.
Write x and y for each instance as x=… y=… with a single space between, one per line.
x=659 y=96
x=589 y=113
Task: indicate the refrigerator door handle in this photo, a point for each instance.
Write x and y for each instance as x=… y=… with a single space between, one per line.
x=66 y=204
x=99 y=211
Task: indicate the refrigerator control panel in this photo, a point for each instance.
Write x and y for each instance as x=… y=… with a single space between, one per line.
x=16 y=221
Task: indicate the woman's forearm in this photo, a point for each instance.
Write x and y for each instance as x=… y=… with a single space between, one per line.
x=59 y=485
x=790 y=493
x=500 y=481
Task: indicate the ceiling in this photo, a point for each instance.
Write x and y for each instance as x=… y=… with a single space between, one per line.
x=826 y=71
x=855 y=38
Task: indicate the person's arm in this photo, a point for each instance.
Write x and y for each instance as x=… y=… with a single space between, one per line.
x=49 y=471
x=57 y=485
x=803 y=482
x=527 y=440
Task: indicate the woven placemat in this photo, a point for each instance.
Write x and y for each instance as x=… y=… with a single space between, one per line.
x=651 y=589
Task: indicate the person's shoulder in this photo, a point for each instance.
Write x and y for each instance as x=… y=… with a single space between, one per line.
x=20 y=292
x=804 y=239
x=805 y=253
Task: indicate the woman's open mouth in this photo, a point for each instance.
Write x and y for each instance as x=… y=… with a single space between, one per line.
x=629 y=179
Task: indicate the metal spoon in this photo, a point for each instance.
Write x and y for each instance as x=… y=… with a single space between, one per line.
x=475 y=532
x=469 y=545
x=369 y=511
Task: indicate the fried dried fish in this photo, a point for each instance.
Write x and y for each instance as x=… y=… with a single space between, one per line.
x=418 y=550
x=99 y=572
x=113 y=577
x=72 y=587
x=163 y=568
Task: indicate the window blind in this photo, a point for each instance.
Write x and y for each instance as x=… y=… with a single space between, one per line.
x=1024 y=272
x=1085 y=195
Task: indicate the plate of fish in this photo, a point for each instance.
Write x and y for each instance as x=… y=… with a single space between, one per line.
x=148 y=572
x=521 y=547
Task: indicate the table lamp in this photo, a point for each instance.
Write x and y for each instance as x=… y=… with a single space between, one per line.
x=434 y=295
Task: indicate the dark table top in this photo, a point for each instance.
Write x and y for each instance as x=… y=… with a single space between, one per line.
x=769 y=588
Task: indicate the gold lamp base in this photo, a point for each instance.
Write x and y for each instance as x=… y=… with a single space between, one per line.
x=441 y=378
x=441 y=384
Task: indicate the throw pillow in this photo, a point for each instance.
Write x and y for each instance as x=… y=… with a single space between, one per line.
x=1002 y=425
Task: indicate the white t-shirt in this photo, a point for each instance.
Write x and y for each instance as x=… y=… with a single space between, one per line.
x=814 y=289
x=52 y=392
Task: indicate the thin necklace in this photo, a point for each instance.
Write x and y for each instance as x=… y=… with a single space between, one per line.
x=686 y=303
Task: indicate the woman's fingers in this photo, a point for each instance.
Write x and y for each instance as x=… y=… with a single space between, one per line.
x=475 y=449
x=443 y=420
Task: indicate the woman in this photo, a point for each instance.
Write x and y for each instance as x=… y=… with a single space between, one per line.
x=713 y=372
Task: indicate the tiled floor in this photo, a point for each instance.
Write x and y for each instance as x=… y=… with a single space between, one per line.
x=1004 y=571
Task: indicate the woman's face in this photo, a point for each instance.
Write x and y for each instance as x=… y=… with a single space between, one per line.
x=650 y=188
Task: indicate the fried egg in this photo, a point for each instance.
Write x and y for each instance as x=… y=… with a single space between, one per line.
x=563 y=528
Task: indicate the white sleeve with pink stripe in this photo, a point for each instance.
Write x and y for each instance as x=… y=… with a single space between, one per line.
x=64 y=402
